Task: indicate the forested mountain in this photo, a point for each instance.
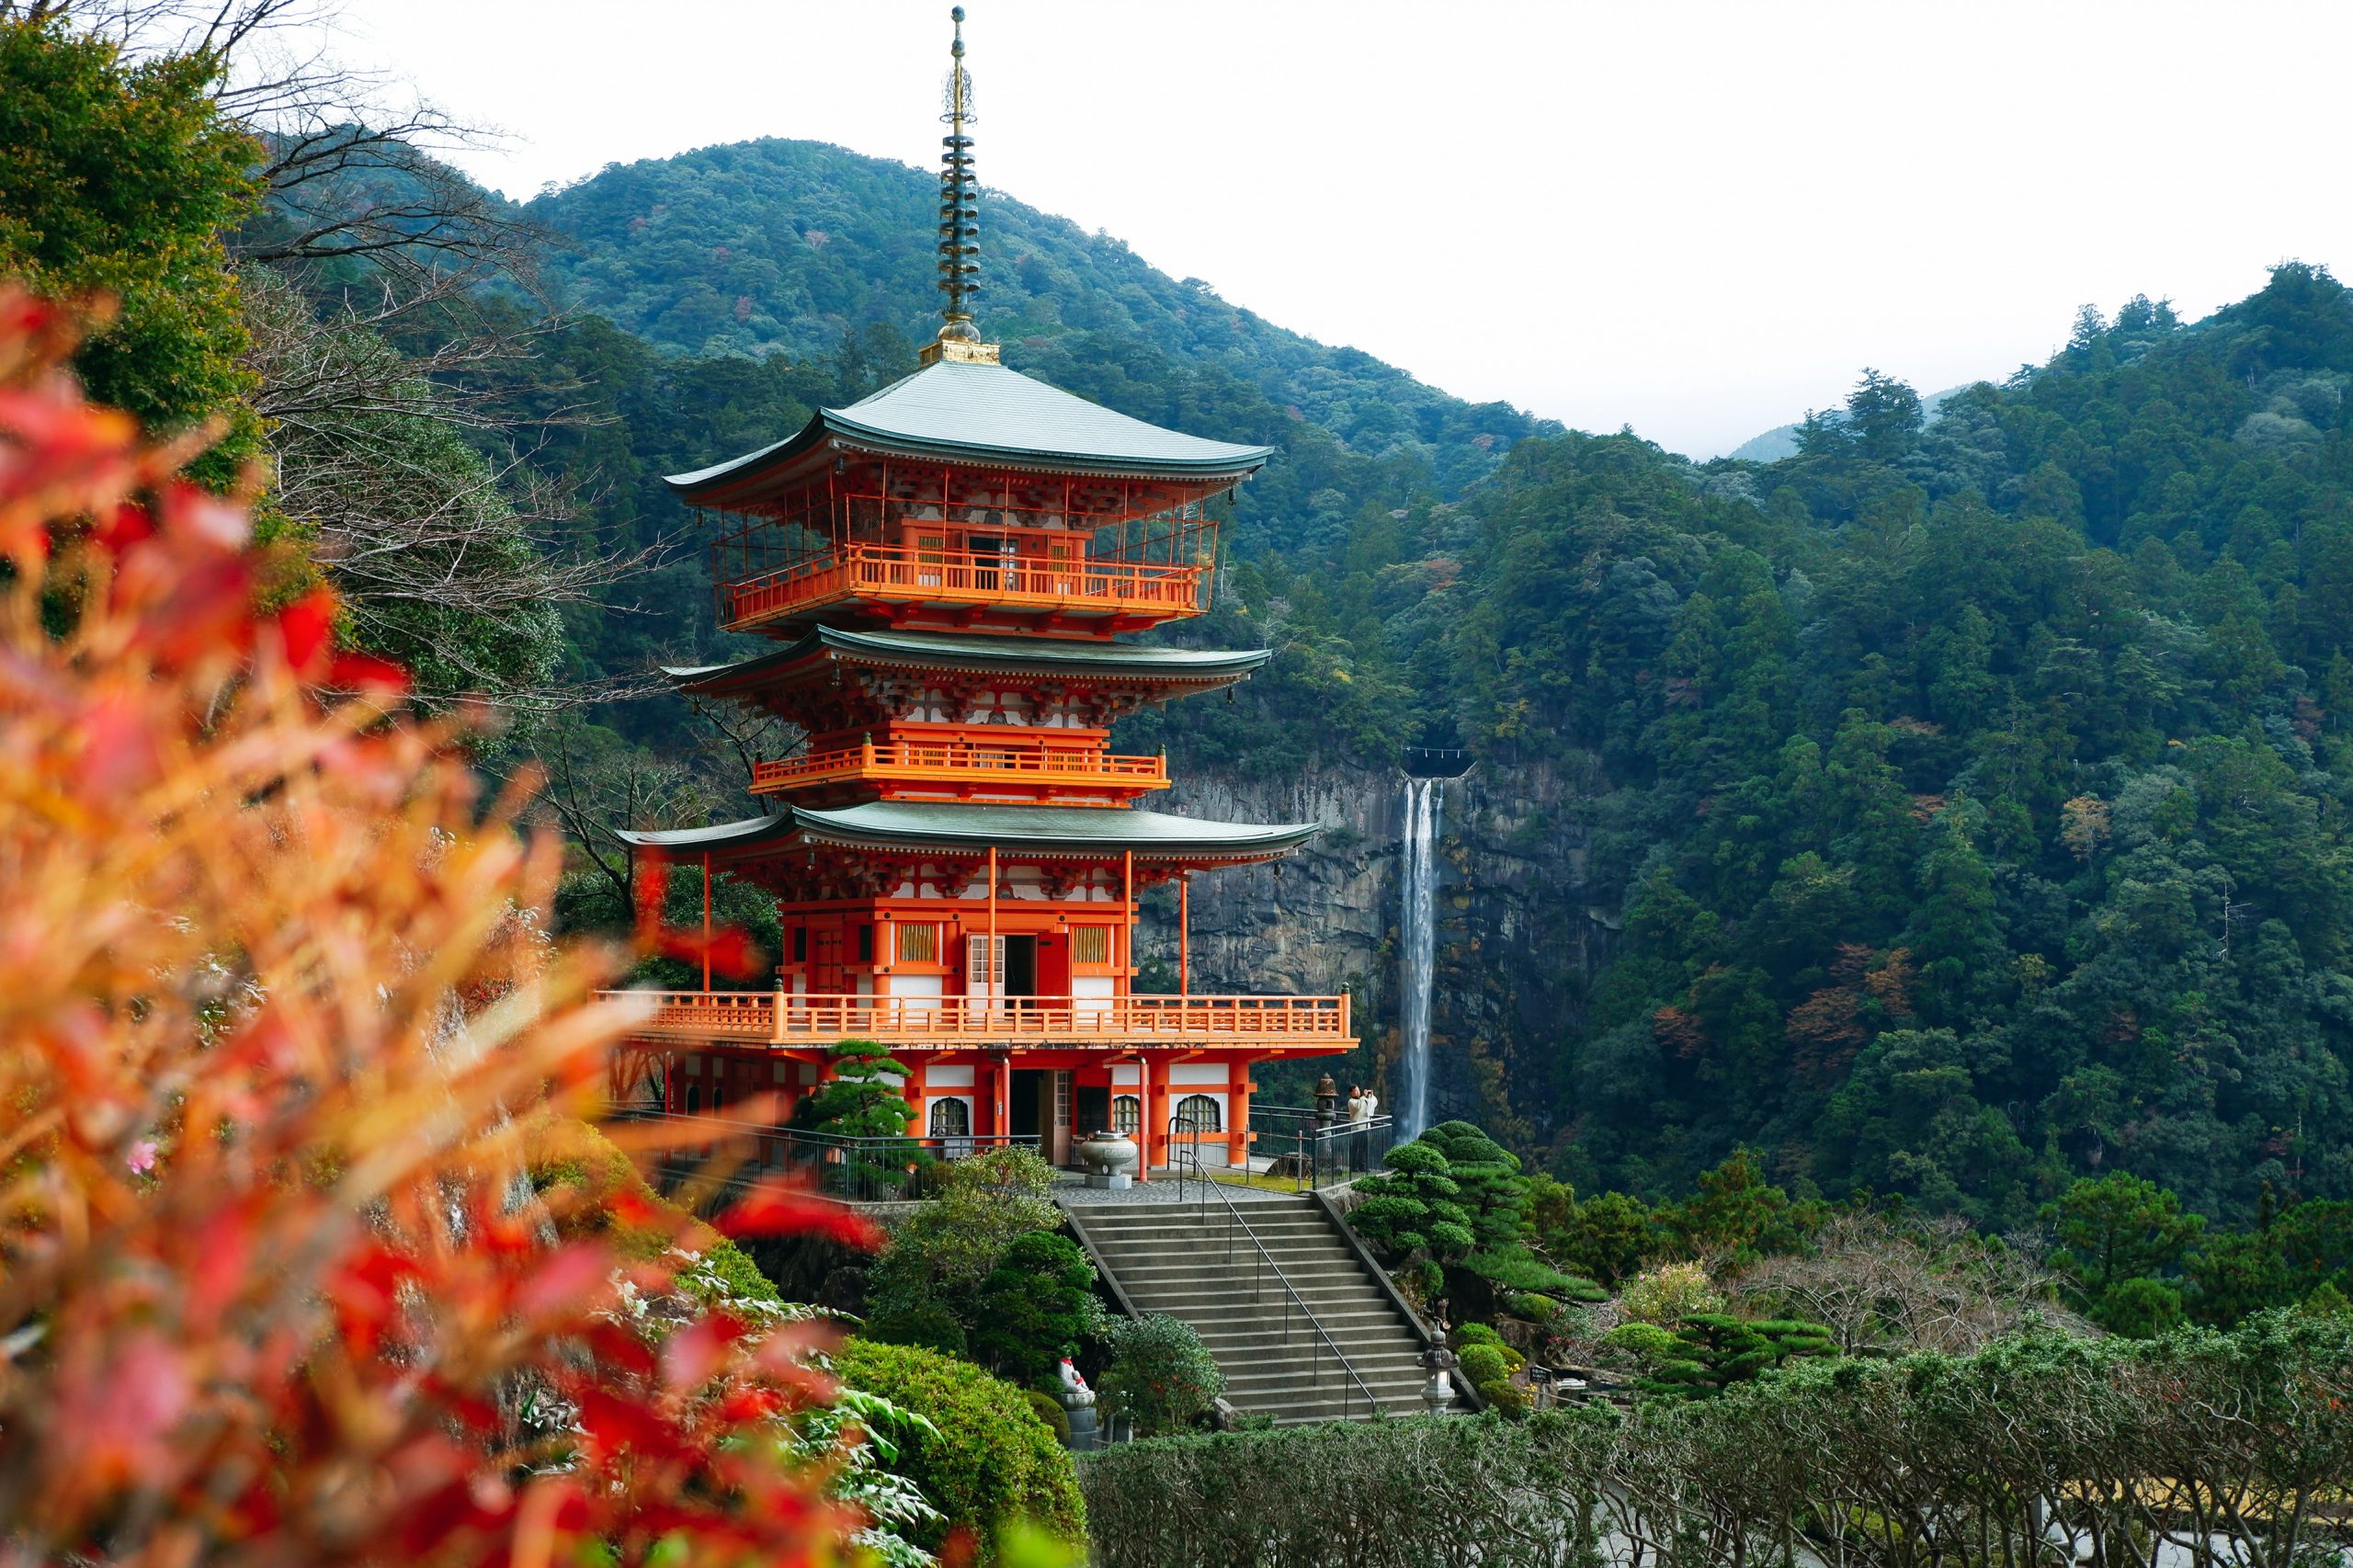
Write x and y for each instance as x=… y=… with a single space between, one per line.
x=1976 y=793
x=1973 y=791
x=774 y=247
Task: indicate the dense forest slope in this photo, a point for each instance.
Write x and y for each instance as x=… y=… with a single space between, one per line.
x=781 y=247
x=1973 y=793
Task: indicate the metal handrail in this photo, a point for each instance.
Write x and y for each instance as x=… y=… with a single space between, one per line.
x=1314 y=1134
x=1233 y=1221
x=861 y=1168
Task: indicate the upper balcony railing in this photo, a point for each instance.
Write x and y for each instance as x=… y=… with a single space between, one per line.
x=899 y=574
x=767 y=1017
x=965 y=766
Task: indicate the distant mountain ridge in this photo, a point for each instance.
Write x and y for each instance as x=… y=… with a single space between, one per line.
x=776 y=245
x=1782 y=440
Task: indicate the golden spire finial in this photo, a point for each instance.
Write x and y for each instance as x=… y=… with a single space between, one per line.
x=959 y=215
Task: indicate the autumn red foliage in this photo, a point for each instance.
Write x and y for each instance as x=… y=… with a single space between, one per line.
x=278 y=1018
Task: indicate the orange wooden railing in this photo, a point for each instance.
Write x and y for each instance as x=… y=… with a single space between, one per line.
x=962 y=762
x=888 y=572
x=767 y=1017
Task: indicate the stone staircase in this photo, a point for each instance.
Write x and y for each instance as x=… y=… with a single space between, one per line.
x=1197 y=1265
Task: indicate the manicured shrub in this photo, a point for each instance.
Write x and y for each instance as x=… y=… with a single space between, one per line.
x=1503 y=1394
x=992 y=1461
x=1049 y=1411
x=1838 y=1457
x=1483 y=1364
x=933 y=1328
x=1709 y=1352
x=1410 y=1205
x=1160 y=1374
x=1037 y=1306
x=1492 y=1192
x=1523 y=1271
x=1473 y=1334
x=1539 y=1310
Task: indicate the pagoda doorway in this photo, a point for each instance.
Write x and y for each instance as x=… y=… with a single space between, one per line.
x=1021 y=966
x=1040 y=1106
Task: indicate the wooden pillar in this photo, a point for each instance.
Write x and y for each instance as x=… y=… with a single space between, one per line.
x=1184 y=934
x=1237 y=1114
x=1145 y=1124
x=995 y=970
x=706 y=923
x=1126 y=921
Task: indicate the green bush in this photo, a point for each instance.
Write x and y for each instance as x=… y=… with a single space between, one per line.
x=1504 y=1396
x=1522 y=1271
x=2137 y=1308
x=1473 y=1334
x=1036 y=1306
x=1483 y=1364
x=944 y=1253
x=1776 y=1460
x=1712 y=1351
x=1049 y=1411
x=1534 y=1307
x=1410 y=1205
x=993 y=1460
x=1492 y=1192
x=1160 y=1374
x=933 y=1328
x=1667 y=1294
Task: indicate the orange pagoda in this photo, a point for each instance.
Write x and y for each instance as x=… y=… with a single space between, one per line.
x=946 y=570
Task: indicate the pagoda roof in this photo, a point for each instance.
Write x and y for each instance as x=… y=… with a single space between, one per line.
x=959 y=411
x=1051 y=656
x=1030 y=830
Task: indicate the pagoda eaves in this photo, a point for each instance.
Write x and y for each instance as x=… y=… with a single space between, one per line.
x=979 y=415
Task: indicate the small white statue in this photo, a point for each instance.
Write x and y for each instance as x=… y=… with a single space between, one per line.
x=1076 y=1395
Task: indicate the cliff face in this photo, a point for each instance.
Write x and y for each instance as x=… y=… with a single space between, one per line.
x=1517 y=943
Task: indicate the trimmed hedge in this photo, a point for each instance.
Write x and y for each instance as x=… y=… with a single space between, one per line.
x=993 y=1461
x=1979 y=1458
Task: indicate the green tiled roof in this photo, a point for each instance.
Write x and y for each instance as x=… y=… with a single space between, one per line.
x=903 y=824
x=982 y=413
x=1028 y=655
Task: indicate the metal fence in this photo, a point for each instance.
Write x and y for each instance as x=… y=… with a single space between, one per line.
x=1318 y=1148
x=856 y=1170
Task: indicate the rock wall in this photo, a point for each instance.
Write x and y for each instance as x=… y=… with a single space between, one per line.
x=1518 y=942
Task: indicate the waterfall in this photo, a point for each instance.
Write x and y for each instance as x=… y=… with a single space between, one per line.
x=1417 y=928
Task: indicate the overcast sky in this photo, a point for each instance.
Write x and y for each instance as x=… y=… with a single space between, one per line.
x=1697 y=219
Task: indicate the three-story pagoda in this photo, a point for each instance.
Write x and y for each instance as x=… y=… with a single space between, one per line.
x=946 y=570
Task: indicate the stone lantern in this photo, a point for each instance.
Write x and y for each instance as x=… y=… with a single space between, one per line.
x=1327 y=1100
